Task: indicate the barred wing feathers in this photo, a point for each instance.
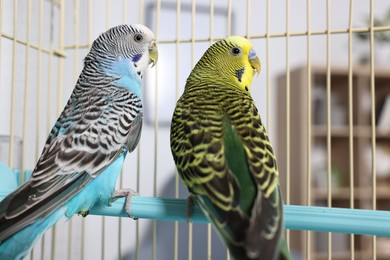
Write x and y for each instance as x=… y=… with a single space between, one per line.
x=89 y=135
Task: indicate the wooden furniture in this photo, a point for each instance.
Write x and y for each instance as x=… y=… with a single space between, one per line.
x=340 y=147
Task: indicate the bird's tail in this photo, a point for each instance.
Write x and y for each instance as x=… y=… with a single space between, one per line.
x=284 y=252
x=19 y=244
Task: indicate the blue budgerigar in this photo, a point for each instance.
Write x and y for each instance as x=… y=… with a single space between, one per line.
x=85 y=150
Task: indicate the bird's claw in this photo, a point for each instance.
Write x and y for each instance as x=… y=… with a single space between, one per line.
x=128 y=193
x=83 y=213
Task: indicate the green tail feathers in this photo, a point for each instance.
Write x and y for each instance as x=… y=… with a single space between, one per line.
x=284 y=252
x=238 y=164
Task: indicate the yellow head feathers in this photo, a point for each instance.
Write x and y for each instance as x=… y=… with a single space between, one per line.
x=232 y=61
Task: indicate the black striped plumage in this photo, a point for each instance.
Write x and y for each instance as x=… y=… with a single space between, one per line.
x=89 y=143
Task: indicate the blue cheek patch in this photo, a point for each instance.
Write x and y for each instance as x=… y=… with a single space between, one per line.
x=136 y=57
x=252 y=54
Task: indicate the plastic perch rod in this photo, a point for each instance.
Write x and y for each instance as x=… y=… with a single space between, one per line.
x=321 y=219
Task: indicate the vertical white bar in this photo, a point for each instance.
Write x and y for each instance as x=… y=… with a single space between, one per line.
x=75 y=75
x=89 y=21
x=288 y=99
x=229 y=16
x=137 y=243
x=268 y=64
x=211 y=28
x=141 y=11
x=39 y=78
x=61 y=4
x=193 y=13
x=350 y=123
x=61 y=60
x=137 y=231
x=103 y=242
x=49 y=105
x=13 y=85
x=373 y=127
x=248 y=17
x=50 y=80
x=89 y=40
x=39 y=86
x=119 y=248
x=26 y=83
x=211 y=25
x=25 y=101
x=176 y=229
x=157 y=27
x=308 y=165
x=328 y=122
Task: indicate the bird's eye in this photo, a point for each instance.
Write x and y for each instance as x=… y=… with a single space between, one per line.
x=138 y=37
x=236 y=51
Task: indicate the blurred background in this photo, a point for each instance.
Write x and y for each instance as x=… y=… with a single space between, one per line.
x=323 y=94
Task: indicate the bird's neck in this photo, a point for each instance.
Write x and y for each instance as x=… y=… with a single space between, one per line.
x=120 y=72
x=128 y=74
x=202 y=72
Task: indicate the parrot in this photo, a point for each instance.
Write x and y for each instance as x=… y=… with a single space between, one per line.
x=85 y=150
x=223 y=154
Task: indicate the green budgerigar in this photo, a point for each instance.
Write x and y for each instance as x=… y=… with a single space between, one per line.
x=223 y=153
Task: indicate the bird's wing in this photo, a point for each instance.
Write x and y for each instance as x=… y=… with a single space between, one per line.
x=197 y=148
x=91 y=132
x=265 y=222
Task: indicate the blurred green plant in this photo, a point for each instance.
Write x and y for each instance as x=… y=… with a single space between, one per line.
x=380 y=36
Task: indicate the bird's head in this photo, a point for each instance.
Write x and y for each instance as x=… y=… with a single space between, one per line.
x=125 y=45
x=233 y=60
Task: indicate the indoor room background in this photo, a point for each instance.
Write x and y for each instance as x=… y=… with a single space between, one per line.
x=314 y=93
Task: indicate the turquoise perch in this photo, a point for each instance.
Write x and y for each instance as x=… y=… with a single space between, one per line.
x=321 y=219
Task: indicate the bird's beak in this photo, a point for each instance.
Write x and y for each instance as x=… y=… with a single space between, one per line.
x=254 y=61
x=153 y=53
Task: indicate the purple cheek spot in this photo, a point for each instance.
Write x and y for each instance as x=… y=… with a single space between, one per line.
x=136 y=57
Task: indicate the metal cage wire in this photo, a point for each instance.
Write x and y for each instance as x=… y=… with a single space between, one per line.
x=51 y=51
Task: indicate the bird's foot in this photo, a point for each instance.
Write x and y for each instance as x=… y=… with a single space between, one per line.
x=190 y=203
x=83 y=213
x=128 y=193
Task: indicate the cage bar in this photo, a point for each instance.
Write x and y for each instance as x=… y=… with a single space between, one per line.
x=288 y=105
x=309 y=116
x=373 y=122
x=328 y=121
x=177 y=95
x=314 y=217
x=350 y=125
x=156 y=128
